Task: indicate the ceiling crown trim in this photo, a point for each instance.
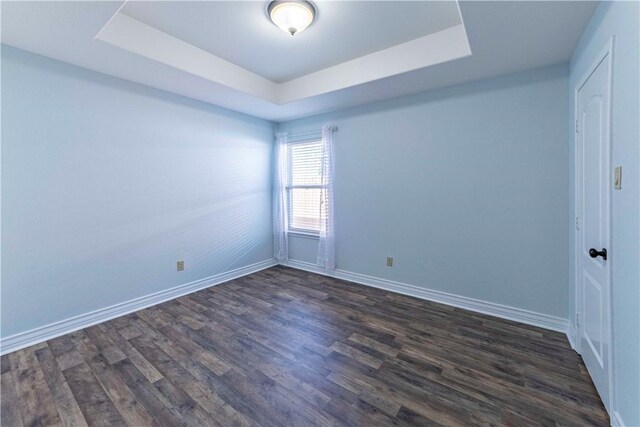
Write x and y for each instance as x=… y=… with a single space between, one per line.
x=137 y=37
x=145 y=40
x=437 y=48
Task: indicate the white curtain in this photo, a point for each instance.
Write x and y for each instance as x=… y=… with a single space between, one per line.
x=280 y=211
x=327 y=247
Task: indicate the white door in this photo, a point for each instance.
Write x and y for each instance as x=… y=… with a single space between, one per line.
x=593 y=223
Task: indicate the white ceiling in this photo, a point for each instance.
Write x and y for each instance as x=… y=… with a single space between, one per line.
x=240 y=32
x=216 y=61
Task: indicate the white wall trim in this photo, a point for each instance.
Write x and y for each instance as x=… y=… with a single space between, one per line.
x=37 y=335
x=498 y=310
x=616 y=421
x=43 y=333
x=572 y=336
x=435 y=48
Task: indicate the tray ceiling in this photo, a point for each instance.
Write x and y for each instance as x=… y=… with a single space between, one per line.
x=240 y=32
x=229 y=54
x=262 y=47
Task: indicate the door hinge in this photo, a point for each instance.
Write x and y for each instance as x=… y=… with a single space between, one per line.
x=577 y=129
x=577 y=224
x=578 y=320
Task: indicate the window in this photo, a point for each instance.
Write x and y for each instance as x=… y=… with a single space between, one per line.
x=304 y=187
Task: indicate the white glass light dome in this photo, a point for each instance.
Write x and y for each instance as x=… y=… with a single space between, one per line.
x=291 y=16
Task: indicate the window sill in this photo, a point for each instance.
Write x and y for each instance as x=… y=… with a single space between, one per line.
x=304 y=235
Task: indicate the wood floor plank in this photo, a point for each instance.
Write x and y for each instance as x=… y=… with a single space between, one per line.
x=123 y=398
x=182 y=375
x=10 y=409
x=148 y=396
x=5 y=364
x=27 y=401
x=94 y=403
x=34 y=396
x=285 y=347
x=172 y=370
x=65 y=402
x=118 y=336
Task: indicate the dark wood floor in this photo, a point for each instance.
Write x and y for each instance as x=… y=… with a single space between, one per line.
x=287 y=348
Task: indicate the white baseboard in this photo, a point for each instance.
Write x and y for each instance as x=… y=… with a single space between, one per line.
x=498 y=310
x=43 y=333
x=37 y=335
x=572 y=337
x=616 y=421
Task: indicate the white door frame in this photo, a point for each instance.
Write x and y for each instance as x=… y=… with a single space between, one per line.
x=602 y=55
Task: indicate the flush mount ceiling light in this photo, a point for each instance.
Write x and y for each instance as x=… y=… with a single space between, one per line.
x=291 y=16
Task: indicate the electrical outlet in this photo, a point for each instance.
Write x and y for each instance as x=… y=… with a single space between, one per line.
x=389 y=261
x=180 y=265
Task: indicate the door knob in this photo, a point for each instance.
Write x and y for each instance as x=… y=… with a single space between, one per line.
x=594 y=253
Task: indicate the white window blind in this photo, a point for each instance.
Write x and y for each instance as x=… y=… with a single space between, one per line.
x=305 y=183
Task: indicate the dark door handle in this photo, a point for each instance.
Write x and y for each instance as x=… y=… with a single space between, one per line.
x=594 y=253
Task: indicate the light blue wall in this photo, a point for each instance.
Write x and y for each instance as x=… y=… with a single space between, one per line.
x=106 y=184
x=620 y=19
x=467 y=187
